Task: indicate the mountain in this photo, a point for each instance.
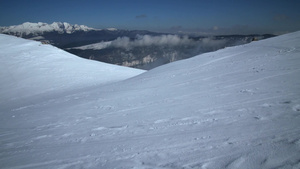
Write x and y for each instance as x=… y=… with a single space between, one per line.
x=64 y=35
x=40 y=28
x=238 y=107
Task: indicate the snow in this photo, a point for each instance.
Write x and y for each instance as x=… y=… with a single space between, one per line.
x=39 y=28
x=94 y=46
x=233 y=108
x=31 y=68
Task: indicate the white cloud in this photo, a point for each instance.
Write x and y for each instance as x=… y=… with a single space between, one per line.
x=147 y=40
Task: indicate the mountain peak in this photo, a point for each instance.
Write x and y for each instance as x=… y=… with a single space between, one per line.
x=40 y=28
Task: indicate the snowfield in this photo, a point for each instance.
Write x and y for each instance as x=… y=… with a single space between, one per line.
x=30 y=68
x=238 y=107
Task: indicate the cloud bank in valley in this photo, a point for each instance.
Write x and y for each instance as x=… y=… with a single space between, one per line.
x=147 y=52
x=162 y=41
x=147 y=40
x=141 y=41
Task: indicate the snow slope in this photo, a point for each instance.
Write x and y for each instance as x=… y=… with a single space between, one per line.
x=234 y=108
x=29 y=68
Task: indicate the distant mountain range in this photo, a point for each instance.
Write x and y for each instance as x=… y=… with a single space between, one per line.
x=64 y=35
x=40 y=28
x=134 y=48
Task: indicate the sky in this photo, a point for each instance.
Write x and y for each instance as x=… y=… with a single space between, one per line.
x=191 y=16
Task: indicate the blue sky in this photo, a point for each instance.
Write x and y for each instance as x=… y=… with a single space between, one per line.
x=202 y=16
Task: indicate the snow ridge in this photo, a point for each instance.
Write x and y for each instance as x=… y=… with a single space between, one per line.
x=33 y=65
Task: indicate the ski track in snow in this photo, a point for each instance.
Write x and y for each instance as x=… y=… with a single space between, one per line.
x=233 y=108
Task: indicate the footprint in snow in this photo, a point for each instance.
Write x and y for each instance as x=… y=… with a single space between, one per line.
x=118 y=127
x=297 y=142
x=286 y=102
x=296 y=107
x=267 y=105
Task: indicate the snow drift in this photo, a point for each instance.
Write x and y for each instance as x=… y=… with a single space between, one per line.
x=234 y=108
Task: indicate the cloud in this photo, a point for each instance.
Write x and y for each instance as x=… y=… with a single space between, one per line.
x=147 y=40
x=212 y=44
x=141 y=16
x=176 y=41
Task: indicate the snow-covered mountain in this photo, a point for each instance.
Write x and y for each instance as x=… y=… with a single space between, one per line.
x=62 y=34
x=40 y=28
x=29 y=68
x=238 y=107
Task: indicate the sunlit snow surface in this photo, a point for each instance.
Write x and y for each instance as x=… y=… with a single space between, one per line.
x=234 y=108
x=31 y=68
